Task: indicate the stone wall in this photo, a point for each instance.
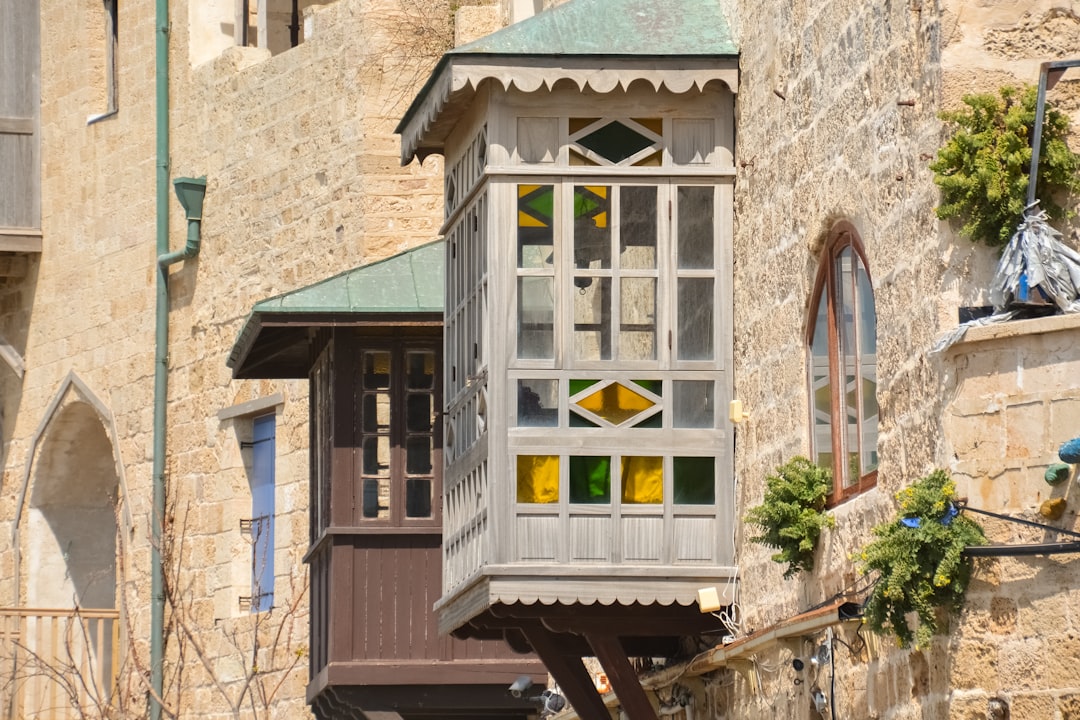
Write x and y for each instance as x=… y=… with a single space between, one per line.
x=837 y=121
x=303 y=182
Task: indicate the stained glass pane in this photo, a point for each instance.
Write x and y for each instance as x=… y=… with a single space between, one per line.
x=695 y=403
x=538 y=403
x=592 y=320
x=637 y=228
x=590 y=479
x=615 y=403
x=642 y=480
x=637 y=319
x=694 y=481
x=577 y=386
x=695 y=320
x=695 y=243
x=535 y=234
x=615 y=141
x=537 y=478
x=417 y=498
x=592 y=227
x=536 y=317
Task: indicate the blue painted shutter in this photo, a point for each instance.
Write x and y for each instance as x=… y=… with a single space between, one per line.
x=262 y=513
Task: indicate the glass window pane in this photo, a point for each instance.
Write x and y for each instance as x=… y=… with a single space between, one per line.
x=615 y=141
x=376 y=455
x=693 y=140
x=417 y=498
x=418 y=455
x=376 y=498
x=845 y=276
x=616 y=403
x=821 y=385
x=592 y=227
x=592 y=320
x=695 y=403
x=418 y=413
x=695 y=243
x=537 y=478
x=637 y=228
x=867 y=326
x=376 y=370
x=590 y=479
x=642 y=480
x=538 y=403
x=535 y=238
x=536 y=318
x=376 y=412
x=421 y=369
x=637 y=319
x=695 y=319
x=694 y=480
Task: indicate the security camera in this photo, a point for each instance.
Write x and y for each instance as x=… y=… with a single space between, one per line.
x=520 y=686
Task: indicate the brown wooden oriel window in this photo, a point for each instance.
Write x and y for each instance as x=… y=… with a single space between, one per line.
x=842 y=350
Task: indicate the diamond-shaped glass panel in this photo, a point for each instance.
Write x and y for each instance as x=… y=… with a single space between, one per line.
x=615 y=142
x=615 y=403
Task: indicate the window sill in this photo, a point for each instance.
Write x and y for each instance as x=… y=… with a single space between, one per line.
x=1019 y=328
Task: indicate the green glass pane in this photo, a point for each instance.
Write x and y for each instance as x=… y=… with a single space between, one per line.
x=694 y=481
x=534 y=227
x=656 y=387
x=577 y=386
x=590 y=479
x=653 y=421
x=578 y=421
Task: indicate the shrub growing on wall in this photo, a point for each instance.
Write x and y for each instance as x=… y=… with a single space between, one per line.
x=919 y=556
x=792 y=513
x=983 y=169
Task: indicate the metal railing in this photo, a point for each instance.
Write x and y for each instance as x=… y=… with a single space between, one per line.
x=57 y=664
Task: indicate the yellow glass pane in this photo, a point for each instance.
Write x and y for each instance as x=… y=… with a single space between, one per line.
x=537 y=478
x=643 y=480
x=524 y=190
x=598 y=190
x=615 y=403
x=526 y=220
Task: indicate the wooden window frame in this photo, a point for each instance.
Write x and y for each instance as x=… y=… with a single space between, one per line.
x=399 y=349
x=843 y=236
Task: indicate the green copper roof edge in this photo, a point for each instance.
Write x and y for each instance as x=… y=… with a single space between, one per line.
x=446 y=59
x=259 y=306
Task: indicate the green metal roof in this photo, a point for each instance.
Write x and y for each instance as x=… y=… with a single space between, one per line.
x=273 y=342
x=597 y=44
x=409 y=282
x=615 y=27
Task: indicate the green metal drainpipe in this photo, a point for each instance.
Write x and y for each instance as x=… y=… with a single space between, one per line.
x=190 y=192
x=161 y=357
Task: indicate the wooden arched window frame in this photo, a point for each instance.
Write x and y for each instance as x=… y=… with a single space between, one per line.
x=842 y=364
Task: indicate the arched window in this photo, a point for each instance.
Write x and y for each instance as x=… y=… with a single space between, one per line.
x=842 y=341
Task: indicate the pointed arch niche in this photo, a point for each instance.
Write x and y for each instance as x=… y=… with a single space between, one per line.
x=66 y=526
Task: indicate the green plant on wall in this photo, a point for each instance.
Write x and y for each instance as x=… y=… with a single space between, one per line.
x=983 y=168
x=792 y=513
x=920 y=558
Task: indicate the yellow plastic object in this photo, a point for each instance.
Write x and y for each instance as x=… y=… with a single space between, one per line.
x=615 y=403
x=538 y=479
x=643 y=480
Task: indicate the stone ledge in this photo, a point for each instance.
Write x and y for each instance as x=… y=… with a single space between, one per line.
x=1019 y=328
